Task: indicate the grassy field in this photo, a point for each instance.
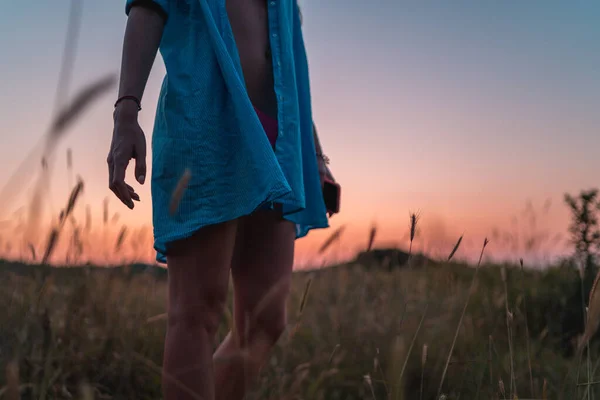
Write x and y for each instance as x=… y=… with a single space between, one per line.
x=364 y=332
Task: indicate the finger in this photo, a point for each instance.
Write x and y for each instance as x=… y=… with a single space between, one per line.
x=132 y=193
x=110 y=170
x=140 y=161
x=114 y=189
x=119 y=183
x=116 y=192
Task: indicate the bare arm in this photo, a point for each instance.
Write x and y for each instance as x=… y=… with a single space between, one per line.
x=142 y=38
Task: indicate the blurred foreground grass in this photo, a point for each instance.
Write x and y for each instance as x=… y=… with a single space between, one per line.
x=358 y=327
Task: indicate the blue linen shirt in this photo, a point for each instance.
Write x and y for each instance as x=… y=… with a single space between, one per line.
x=205 y=122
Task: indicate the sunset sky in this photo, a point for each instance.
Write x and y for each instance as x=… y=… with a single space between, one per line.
x=460 y=110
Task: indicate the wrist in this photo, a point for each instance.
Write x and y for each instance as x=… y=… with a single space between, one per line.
x=126 y=110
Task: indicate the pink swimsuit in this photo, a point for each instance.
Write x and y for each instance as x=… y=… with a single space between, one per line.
x=269 y=124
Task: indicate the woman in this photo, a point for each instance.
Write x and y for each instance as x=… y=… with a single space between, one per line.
x=234 y=111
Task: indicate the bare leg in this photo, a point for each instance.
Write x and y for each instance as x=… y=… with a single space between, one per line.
x=262 y=270
x=198 y=283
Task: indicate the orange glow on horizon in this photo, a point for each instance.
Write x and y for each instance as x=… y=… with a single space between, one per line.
x=114 y=240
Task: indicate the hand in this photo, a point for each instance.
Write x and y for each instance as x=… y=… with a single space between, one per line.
x=128 y=142
x=324 y=171
x=325 y=175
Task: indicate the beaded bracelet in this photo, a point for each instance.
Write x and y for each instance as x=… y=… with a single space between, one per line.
x=120 y=99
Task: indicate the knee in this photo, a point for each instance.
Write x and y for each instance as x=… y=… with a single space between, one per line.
x=204 y=314
x=272 y=322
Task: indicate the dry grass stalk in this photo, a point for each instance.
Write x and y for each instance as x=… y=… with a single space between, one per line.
x=593 y=314
x=159 y=317
x=75 y=193
x=55 y=232
x=70 y=167
x=77 y=242
x=369 y=383
x=36 y=207
x=52 y=241
x=490 y=365
x=32 y=251
x=68 y=115
x=335 y=349
x=462 y=316
x=58 y=128
x=121 y=238
x=304 y=295
x=413 y=225
x=12 y=382
x=423 y=362
x=414 y=219
x=545 y=390
x=334 y=237
x=180 y=190
x=455 y=249
x=105 y=211
x=69 y=159
x=412 y=343
x=87 y=393
x=592 y=322
x=301 y=308
x=69 y=53
x=377 y=367
x=531 y=387
x=513 y=383
x=372 y=237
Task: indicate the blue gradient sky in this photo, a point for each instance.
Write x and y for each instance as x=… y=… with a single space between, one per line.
x=461 y=110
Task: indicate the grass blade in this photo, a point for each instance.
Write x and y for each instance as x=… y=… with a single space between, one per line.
x=462 y=316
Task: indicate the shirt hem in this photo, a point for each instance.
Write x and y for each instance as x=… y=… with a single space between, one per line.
x=160 y=244
x=302 y=229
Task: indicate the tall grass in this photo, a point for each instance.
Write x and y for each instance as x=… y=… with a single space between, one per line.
x=356 y=314
x=98 y=333
x=104 y=329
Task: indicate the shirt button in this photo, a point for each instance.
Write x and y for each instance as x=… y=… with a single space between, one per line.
x=273 y=3
x=274 y=35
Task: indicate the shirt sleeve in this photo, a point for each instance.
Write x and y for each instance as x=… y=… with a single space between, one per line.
x=160 y=6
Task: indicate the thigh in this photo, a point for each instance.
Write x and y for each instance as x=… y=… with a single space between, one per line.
x=199 y=269
x=262 y=264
